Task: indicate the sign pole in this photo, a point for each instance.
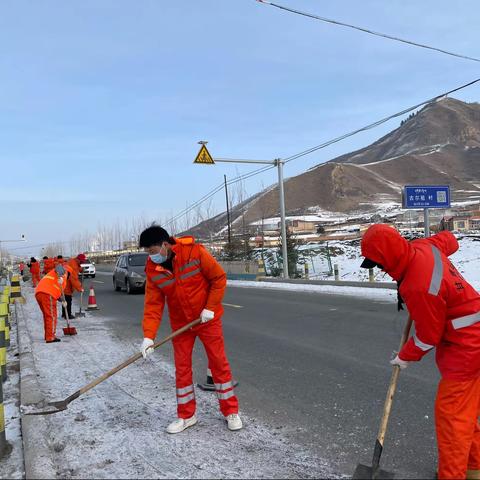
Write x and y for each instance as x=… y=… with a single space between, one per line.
x=282 y=218
x=426 y=222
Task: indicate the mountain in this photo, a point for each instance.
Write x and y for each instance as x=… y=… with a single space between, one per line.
x=438 y=145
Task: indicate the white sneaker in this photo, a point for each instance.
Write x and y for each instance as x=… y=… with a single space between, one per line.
x=234 y=422
x=180 y=424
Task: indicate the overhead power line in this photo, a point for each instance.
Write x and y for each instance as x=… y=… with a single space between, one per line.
x=366 y=30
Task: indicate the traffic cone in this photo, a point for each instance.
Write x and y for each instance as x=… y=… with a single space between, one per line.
x=209 y=385
x=92 y=302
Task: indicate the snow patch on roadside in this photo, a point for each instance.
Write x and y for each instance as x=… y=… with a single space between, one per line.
x=117 y=429
x=379 y=294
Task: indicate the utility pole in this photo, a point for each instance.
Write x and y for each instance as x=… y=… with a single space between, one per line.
x=228 y=210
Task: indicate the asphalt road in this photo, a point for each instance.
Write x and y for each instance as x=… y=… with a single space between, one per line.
x=315 y=367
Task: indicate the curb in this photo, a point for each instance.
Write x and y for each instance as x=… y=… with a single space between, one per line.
x=339 y=283
x=36 y=445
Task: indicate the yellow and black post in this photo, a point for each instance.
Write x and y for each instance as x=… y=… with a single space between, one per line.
x=5 y=312
x=3 y=348
x=3 y=438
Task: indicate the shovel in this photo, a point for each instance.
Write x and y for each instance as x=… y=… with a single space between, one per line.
x=68 y=330
x=46 y=408
x=80 y=313
x=374 y=472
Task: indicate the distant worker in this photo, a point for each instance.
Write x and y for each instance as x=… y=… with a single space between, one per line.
x=73 y=282
x=47 y=293
x=446 y=311
x=48 y=264
x=21 y=267
x=59 y=260
x=34 y=271
x=183 y=274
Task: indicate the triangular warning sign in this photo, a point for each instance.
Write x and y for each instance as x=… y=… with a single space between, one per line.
x=204 y=157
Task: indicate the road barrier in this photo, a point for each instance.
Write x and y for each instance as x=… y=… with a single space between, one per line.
x=3 y=349
x=3 y=438
x=241 y=270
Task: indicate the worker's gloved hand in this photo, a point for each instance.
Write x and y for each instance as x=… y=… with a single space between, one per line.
x=60 y=281
x=398 y=361
x=206 y=315
x=146 y=347
x=64 y=304
x=82 y=290
x=60 y=270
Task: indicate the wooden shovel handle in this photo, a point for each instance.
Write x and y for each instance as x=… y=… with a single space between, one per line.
x=132 y=359
x=393 y=385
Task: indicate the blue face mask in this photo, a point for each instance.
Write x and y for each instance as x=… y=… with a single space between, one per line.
x=158 y=258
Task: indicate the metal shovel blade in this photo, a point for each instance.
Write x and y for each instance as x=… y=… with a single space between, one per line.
x=44 y=408
x=363 y=472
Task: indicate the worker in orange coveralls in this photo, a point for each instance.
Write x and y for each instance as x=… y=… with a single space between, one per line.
x=183 y=274
x=48 y=264
x=34 y=270
x=446 y=311
x=73 y=282
x=47 y=293
x=59 y=260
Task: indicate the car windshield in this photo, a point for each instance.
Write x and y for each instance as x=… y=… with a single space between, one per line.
x=137 y=260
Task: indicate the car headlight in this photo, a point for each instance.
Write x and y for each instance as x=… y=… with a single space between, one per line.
x=136 y=275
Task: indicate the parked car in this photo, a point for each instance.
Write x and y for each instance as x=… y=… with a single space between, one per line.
x=88 y=269
x=129 y=272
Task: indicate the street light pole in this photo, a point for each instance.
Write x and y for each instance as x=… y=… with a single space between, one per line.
x=279 y=164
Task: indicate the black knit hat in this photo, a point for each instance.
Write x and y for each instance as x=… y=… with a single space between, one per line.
x=154 y=235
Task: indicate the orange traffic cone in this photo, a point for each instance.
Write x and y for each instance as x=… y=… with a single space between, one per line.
x=92 y=302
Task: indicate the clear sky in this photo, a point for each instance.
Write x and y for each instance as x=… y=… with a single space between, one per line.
x=102 y=102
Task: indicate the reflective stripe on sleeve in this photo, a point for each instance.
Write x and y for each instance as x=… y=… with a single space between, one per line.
x=185 y=390
x=226 y=395
x=466 y=321
x=188 y=398
x=165 y=284
x=190 y=264
x=189 y=274
x=160 y=276
x=437 y=273
x=223 y=386
x=421 y=345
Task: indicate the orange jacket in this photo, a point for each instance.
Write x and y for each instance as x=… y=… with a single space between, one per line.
x=22 y=266
x=35 y=268
x=443 y=305
x=59 y=261
x=49 y=284
x=73 y=283
x=197 y=282
x=48 y=264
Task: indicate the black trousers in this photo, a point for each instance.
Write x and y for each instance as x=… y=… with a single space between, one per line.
x=68 y=299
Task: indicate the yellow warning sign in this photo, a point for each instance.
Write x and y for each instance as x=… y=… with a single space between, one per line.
x=204 y=157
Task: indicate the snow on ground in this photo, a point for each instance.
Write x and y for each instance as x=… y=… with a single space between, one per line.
x=346 y=254
x=379 y=294
x=117 y=429
x=12 y=466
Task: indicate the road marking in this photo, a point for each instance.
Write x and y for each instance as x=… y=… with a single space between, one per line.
x=97 y=281
x=232 y=305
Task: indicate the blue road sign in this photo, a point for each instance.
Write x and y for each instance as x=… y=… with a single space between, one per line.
x=426 y=196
